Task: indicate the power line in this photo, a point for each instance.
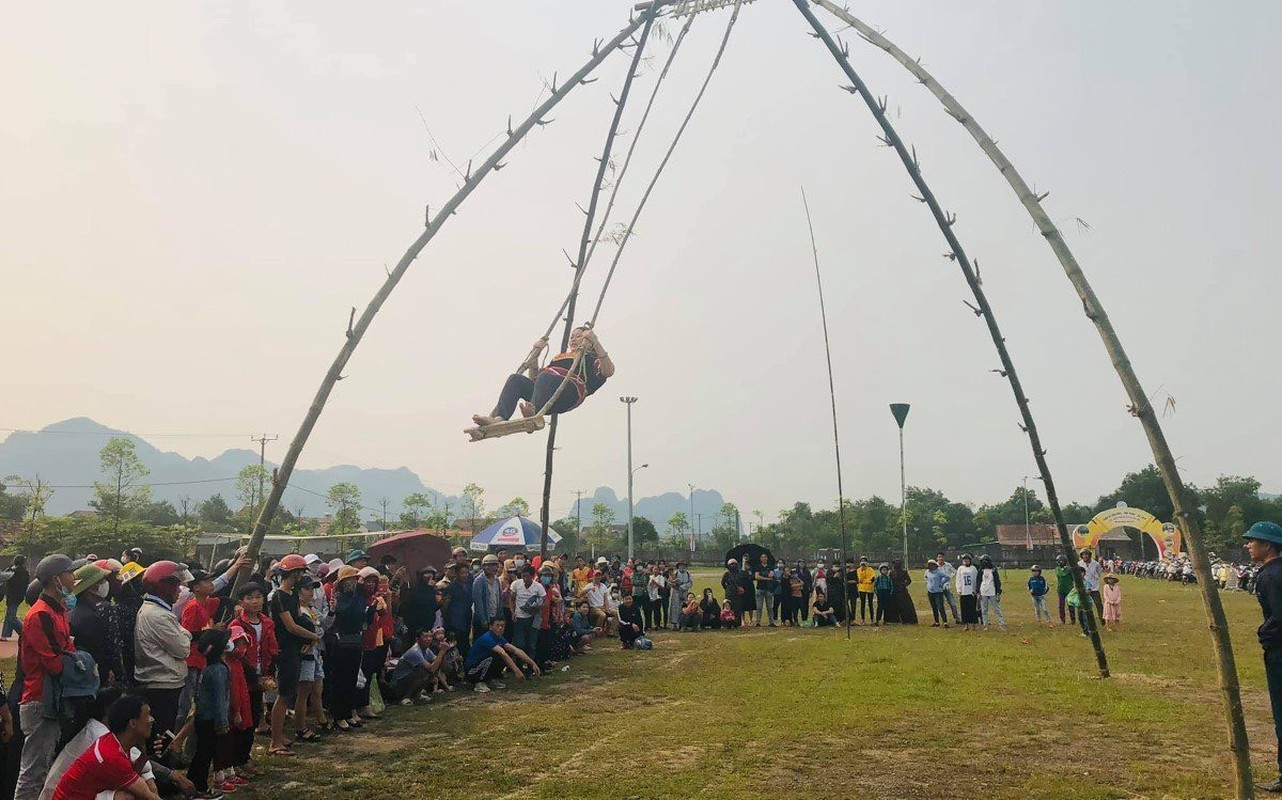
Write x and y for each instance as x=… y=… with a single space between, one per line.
x=129 y=433
x=141 y=485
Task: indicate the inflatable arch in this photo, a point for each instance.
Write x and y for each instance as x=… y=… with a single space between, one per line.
x=1164 y=534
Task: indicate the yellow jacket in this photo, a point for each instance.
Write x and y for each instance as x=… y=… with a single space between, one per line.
x=865 y=576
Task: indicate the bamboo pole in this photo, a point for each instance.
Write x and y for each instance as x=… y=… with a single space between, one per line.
x=1141 y=408
x=357 y=327
x=581 y=264
x=946 y=221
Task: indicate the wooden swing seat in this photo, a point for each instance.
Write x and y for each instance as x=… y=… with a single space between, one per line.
x=522 y=425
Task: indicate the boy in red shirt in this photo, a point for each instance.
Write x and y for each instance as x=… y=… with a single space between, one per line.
x=261 y=655
x=105 y=767
x=197 y=617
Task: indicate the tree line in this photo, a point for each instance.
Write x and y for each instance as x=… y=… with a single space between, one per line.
x=125 y=515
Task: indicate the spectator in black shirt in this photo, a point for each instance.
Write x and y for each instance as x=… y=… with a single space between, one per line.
x=1264 y=544
x=14 y=589
x=291 y=636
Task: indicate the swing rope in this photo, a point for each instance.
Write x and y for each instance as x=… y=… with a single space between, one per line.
x=627 y=235
x=532 y=359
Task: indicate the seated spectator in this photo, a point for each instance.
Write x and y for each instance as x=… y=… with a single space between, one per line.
x=584 y=628
x=600 y=602
x=106 y=766
x=710 y=611
x=490 y=654
x=690 y=614
x=631 y=622
x=824 y=614
x=728 y=618
x=414 y=672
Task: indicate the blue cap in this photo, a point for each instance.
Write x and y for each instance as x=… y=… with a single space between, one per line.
x=1265 y=531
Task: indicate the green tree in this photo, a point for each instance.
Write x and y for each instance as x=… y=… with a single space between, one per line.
x=121 y=492
x=678 y=524
x=1144 y=490
x=344 y=500
x=215 y=515
x=250 y=487
x=416 y=507
x=516 y=507
x=644 y=533
x=599 y=536
x=28 y=504
x=474 y=504
x=160 y=514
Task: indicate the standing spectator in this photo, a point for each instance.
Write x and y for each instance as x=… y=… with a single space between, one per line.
x=243 y=717
x=1092 y=572
x=990 y=593
x=1264 y=545
x=457 y=596
x=487 y=596
x=905 y=611
x=161 y=644
x=196 y=615
x=46 y=637
x=581 y=576
x=662 y=617
x=528 y=598
x=1064 y=585
x=820 y=579
x=764 y=575
x=311 y=667
x=89 y=622
x=128 y=597
x=1112 y=593
x=936 y=582
x=14 y=590
x=1076 y=601
x=418 y=603
x=807 y=588
x=884 y=586
x=967 y=583
x=290 y=636
x=376 y=640
x=682 y=585
x=864 y=577
x=732 y=585
x=1037 y=589
x=213 y=715
x=951 y=571
x=351 y=614
x=260 y=656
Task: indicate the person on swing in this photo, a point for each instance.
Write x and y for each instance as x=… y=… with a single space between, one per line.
x=534 y=388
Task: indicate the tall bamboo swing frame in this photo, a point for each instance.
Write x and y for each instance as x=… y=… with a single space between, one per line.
x=1139 y=406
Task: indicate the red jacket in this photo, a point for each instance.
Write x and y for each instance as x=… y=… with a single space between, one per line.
x=240 y=703
x=46 y=635
x=196 y=617
x=383 y=622
x=261 y=654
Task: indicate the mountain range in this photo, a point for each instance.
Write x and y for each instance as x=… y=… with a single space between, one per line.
x=65 y=454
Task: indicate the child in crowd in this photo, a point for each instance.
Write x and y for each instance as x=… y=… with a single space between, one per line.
x=1112 y=595
x=242 y=715
x=311 y=673
x=443 y=648
x=968 y=593
x=1075 y=603
x=727 y=616
x=213 y=717
x=260 y=657
x=936 y=585
x=884 y=587
x=990 y=594
x=452 y=669
x=1037 y=589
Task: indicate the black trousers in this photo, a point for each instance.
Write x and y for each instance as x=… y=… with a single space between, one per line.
x=206 y=743
x=883 y=600
x=372 y=662
x=1273 y=674
x=342 y=691
x=244 y=740
x=866 y=606
x=938 y=608
x=805 y=606
x=487 y=669
x=647 y=609
x=164 y=710
x=661 y=610
x=537 y=391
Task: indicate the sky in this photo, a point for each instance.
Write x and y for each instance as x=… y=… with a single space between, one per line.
x=195 y=195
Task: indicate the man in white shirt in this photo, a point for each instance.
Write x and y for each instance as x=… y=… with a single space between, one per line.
x=600 y=604
x=1094 y=573
x=528 y=597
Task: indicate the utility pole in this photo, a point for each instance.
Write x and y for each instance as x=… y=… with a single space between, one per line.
x=628 y=401
x=383 y=502
x=262 y=460
x=691 y=520
x=900 y=411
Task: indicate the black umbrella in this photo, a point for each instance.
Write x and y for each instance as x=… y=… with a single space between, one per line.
x=750 y=553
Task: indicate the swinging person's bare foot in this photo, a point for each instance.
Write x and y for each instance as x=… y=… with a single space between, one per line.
x=528 y=409
x=482 y=421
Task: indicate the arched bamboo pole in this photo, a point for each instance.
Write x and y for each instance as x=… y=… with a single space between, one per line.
x=1141 y=408
x=581 y=265
x=945 y=222
x=357 y=327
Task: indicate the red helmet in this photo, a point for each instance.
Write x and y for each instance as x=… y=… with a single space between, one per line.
x=292 y=562
x=165 y=571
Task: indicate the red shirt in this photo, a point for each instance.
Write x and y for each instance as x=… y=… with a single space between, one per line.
x=46 y=635
x=240 y=703
x=104 y=767
x=196 y=617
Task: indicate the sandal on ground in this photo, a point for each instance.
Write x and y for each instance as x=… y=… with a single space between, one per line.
x=305 y=736
x=280 y=751
x=343 y=725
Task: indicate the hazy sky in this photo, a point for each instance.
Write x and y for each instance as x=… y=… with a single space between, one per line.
x=195 y=194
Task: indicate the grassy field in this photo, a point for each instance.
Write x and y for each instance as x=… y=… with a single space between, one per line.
x=783 y=713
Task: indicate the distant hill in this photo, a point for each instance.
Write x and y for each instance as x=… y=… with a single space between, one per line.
x=707 y=502
x=66 y=455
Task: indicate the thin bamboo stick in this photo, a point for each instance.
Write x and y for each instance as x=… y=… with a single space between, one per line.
x=356 y=331
x=581 y=264
x=1094 y=310
x=946 y=222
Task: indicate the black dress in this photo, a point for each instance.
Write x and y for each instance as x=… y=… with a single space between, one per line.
x=902 y=602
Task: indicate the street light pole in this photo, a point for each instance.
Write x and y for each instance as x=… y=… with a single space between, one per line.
x=900 y=411
x=628 y=401
x=691 y=520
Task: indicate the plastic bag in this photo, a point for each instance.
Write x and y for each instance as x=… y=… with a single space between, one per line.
x=376 y=703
